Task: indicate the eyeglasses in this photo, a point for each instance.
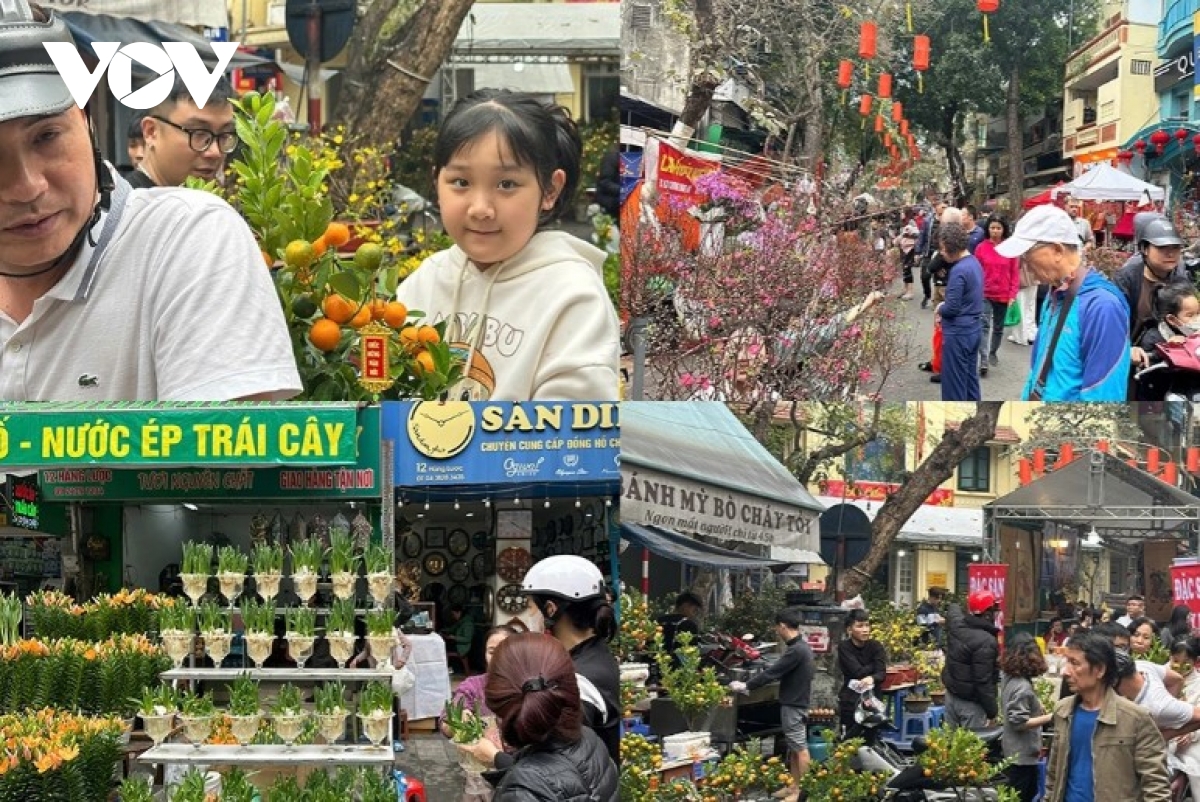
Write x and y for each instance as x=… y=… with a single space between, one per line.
x=201 y=139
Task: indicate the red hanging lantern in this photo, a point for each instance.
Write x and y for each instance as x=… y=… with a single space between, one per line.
x=1195 y=144
x=879 y=123
x=845 y=73
x=897 y=111
x=987 y=7
x=1159 y=139
x=864 y=105
x=1181 y=135
x=1140 y=146
x=920 y=59
x=1127 y=156
x=885 y=85
x=887 y=141
x=866 y=40
x=904 y=128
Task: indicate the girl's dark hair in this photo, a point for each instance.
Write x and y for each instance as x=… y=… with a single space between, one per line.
x=1098 y=651
x=531 y=687
x=1138 y=623
x=1169 y=297
x=1022 y=657
x=541 y=136
x=499 y=629
x=997 y=219
x=595 y=614
x=855 y=616
x=1180 y=622
x=1188 y=646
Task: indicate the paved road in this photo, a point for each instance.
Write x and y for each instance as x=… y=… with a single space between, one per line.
x=1003 y=383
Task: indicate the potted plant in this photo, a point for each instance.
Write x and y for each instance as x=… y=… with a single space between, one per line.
x=197 y=563
x=375 y=711
x=958 y=757
x=193 y=787
x=196 y=712
x=259 y=620
x=157 y=708
x=216 y=631
x=236 y=786
x=840 y=778
x=244 y=710
x=380 y=635
x=466 y=727
x=378 y=787
x=695 y=691
x=339 y=630
x=331 y=710
x=300 y=633
x=177 y=624
x=288 y=714
x=267 y=559
x=379 y=573
x=306 y=567
x=136 y=788
x=343 y=564
x=231 y=572
x=937 y=691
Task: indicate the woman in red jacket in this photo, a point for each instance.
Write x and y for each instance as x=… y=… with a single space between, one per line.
x=1001 y=281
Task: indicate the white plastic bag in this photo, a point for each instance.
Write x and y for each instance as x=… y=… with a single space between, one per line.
x=403 y=680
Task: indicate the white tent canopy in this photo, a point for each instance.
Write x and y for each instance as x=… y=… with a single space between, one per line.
x=206 y=13
x=1105 y=182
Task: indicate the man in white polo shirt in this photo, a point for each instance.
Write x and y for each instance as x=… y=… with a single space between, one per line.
x=107 y=294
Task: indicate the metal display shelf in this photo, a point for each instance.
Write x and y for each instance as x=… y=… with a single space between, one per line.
x=316 y=755
x=281 y=674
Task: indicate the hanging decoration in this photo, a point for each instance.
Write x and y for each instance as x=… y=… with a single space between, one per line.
x=908 y=15
x=920 y=59
x=1195 y=144
x=864 y=105
x=887 y=141
x=879 y=123
x=866 y=44
x=897 y=111
x=904 y=128
x=1159 y=139
x=845 y=76
x=987 y=7
x=1140 y=146
x=1127 y=155
x=885 y=85
x=1181 y=135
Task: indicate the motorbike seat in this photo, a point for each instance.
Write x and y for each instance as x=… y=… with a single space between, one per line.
x=989 y=734
x=919 y=745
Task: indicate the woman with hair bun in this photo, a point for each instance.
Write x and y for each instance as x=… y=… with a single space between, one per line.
x=533 y=691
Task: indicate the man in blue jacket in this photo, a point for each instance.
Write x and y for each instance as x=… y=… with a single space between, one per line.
x=1089 y=360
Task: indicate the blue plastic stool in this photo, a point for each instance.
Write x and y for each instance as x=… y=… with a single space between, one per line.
x=916 y=725
x=938 y=715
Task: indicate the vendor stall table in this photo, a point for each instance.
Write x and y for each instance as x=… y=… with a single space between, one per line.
x=319 y=755
x=428 y=697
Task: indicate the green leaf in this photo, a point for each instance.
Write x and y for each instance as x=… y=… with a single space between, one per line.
x=346 y=283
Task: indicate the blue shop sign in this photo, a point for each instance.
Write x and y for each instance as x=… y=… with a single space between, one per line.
x=488 y=443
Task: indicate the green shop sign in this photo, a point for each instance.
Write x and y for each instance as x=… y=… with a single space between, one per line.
x=361 y=480
x=63 y=436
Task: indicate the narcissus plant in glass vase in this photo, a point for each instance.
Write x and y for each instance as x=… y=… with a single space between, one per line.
x=380 y=579
x=244 y=711
x=301 y=633
x=231 y=572
x=343 y=564
x=339 y=630
x=288 y=714
x=352 y=339
x=196 y=713
x=216 y=631
x=306 y=566
x=380 y=635
x=330 y=701
x=157 y=709
x=259 y=621
x=375 y=711
x=197 y=565
x=177 y=624
x=267 y=559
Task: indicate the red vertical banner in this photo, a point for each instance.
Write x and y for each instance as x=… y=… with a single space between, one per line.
x=993 y=577
x=678 y=170
x=1185 y=587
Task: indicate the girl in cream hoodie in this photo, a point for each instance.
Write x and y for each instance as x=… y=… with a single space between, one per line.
x=525 y=306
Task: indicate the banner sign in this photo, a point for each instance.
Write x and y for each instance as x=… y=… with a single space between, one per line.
x=1185 y=584
x=1195 y=50
x=690 y=507
x=993 y=577
x=678 y=170
x=177 y=436
x=23 y=499
x=879 y=491
x=631 y=173
x=479 y=443
x=361 y=480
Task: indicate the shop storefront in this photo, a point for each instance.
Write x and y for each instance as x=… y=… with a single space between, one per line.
x=484 y=490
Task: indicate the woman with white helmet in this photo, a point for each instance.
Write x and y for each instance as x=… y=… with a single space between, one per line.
x=570 y=595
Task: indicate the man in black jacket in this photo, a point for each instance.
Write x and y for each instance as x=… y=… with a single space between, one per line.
x=688 y=608
x=859 y=658
x=794 y=671
x=972 y=672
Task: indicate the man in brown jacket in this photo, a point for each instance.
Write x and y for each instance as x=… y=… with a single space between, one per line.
x=1105 y=748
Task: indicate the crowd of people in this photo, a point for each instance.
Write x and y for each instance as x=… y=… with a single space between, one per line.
x=1094 y=337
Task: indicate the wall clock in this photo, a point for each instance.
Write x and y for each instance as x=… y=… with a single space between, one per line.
x=513 y=563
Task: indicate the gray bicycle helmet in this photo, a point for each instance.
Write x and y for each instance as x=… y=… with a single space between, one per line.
x=30 y=85
x=1161 y=233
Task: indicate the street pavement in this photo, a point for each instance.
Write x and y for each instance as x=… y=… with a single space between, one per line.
x=432 y=759
x=908 y=383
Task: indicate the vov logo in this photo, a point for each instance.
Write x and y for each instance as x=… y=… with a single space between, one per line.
x=118 y=60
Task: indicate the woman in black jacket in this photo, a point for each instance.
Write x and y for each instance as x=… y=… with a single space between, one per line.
x=859 y=658
x=533 y=690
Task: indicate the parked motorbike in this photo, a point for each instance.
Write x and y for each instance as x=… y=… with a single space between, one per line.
x=734 y=658
x=415 y=216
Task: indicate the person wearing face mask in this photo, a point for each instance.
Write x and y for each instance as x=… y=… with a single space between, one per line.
x=1160 y=249
x=1177 y=317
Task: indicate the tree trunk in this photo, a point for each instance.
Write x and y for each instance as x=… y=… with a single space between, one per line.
x=394 y=53
x=704 y=81
x=1016 y=166
x=954 y=159
x=813 y=459
x=814 y=121
x=937 y=468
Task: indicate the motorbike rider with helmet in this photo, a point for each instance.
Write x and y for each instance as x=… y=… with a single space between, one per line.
x=972 y=674
x=1159 y=260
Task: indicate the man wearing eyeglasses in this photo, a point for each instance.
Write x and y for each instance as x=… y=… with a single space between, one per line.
x=110 y=294
x=183 y=139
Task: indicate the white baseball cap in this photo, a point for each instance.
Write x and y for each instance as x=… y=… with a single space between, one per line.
x=1046 y=223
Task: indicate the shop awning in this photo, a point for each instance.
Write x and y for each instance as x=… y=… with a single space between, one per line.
x=681 y=548
x=540 y=79
x=91 y=27
x=1100 y=491
x=930 y=524
x=694 y=467
x=531 y=32
x=202 y=13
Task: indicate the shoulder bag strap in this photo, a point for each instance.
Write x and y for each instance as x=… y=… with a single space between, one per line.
x=1068 y=301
